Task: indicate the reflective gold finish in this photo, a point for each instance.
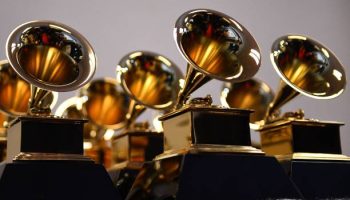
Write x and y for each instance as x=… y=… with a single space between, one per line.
x=251 y=94
x=70 y=108
x=14 y=91
x=151 y=80
x=51 y=57
x=215 y=46
x=105 y=104
x=3 y=135
x=307 y=67
x=48 y=64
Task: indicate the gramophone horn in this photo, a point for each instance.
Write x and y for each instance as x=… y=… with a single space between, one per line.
x=215 y=46
x=307 y=67
x=250 y=94
x=15 y=93
x=50 y=56
x=105 y=103
x=150 y=79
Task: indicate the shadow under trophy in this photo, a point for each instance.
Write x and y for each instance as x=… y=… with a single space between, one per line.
x=45 y=153
x=211 y=155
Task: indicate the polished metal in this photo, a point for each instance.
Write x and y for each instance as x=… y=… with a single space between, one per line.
x=251 y=94
x=305 y=66
x=150 y=79
x=215 y=46
x=51 y=57
x=15 y=93
x=70 y=108
x=105 y=103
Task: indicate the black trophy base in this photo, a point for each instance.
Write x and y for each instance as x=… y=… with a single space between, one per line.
x=214 y=176
x=322 y=179
x=56 y=180
x=123 y=179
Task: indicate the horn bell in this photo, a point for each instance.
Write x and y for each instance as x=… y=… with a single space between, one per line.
x=51 y=55
x=305 y=66
x=105 y=103
x=150 y=79
x=250 y=94
x=215 y=46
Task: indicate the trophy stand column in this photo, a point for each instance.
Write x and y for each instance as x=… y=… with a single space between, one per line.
x=211 y=158
x=45 y=161
x=310 y=152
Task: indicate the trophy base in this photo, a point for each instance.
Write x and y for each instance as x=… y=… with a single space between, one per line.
x=321 y=179
x=123 y=176
x=142 y=145
x=322 y=172
x=45 y=161
x=213 y=176
x=55 y=180
x=319 y=176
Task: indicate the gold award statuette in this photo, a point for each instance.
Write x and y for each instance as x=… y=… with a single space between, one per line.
x=151 y=81
x=46 y=151
x=211 y=144
x=50 y=57
x=14 y=96
x=309 y=68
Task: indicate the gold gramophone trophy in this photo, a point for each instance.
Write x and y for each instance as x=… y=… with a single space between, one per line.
x=14 y=98
x=219 y=161
x=47 y=151
x=106 y=105
x=309 y=149
x=151 y=81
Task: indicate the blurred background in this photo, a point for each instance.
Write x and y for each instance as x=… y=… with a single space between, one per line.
x=115 y=28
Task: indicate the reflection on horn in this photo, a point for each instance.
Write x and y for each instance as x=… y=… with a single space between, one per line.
x=215 y=46
x=251 y=94
x=105 y=104
x=150 y=79
x=51 y=57
x=15 y=93
x=307 y=67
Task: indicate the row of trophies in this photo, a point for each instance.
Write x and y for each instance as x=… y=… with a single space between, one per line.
x=204 y=152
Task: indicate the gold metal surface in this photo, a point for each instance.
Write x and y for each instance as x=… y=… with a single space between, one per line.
x=251 y=94
x=15 y=93
x=215 y=46
x=105 y=103
x=48 y=64
x=307 y=67
x=150 y=79
x=51 y=57
x=50 y=156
